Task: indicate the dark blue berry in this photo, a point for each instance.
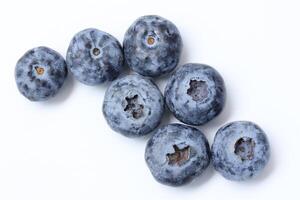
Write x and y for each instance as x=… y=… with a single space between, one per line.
x=195 y=94
x=177 y=153
x=240 y=150
x=40 y=73
x=152 y=46
x=133 y=105
x=94 y=57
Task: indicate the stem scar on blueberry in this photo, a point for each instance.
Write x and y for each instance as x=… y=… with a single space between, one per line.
x=96 y=51
x=134 y=107
x=150 y=40
x=244 y=148
x=197 y=90
x=180 y=156
x=39 y=70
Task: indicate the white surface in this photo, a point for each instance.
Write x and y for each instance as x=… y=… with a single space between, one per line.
x=63 y=149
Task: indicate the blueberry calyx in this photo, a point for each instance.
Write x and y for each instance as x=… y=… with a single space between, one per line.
x=134 y=107
x=197 y=90
x=244 y=148
x=180 y=156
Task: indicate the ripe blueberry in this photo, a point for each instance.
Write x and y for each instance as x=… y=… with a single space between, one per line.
x=195 y=93
x=40 y=73
x=133 y=105
x=240 y=150
x=152 y=46
x=177 y=153
x=94 y=57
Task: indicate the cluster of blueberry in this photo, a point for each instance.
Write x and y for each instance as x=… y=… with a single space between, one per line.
x=134 y=106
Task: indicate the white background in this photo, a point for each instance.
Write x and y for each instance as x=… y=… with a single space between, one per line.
x=63 y=149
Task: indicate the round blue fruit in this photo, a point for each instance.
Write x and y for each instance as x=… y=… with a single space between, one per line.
x=240 y=150
x=152 y=46
x=195 y=94
x=94 y=57
x=133 y=105
x=177 y=153
x=40 y=73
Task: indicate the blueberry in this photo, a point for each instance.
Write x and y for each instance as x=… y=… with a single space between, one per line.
x=94 y=57
x=177 y=153
x=133 y=105
x=40 y=73
x=152 y=46
x=195 y=93
x=240 y=150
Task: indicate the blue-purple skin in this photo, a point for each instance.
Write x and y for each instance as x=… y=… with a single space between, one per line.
x=133 y=106
x=152 y=46
x=176 y=154
x=40 y=73
x=95 y=57
x=195 y=94
x=240 y=150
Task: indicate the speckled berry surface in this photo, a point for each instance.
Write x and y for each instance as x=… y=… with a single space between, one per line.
x=152 y=46
x=240 y=150
x=40 y=73
x=94 y=57
x=195 y=93
x=133 y=105
x=176 y=154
